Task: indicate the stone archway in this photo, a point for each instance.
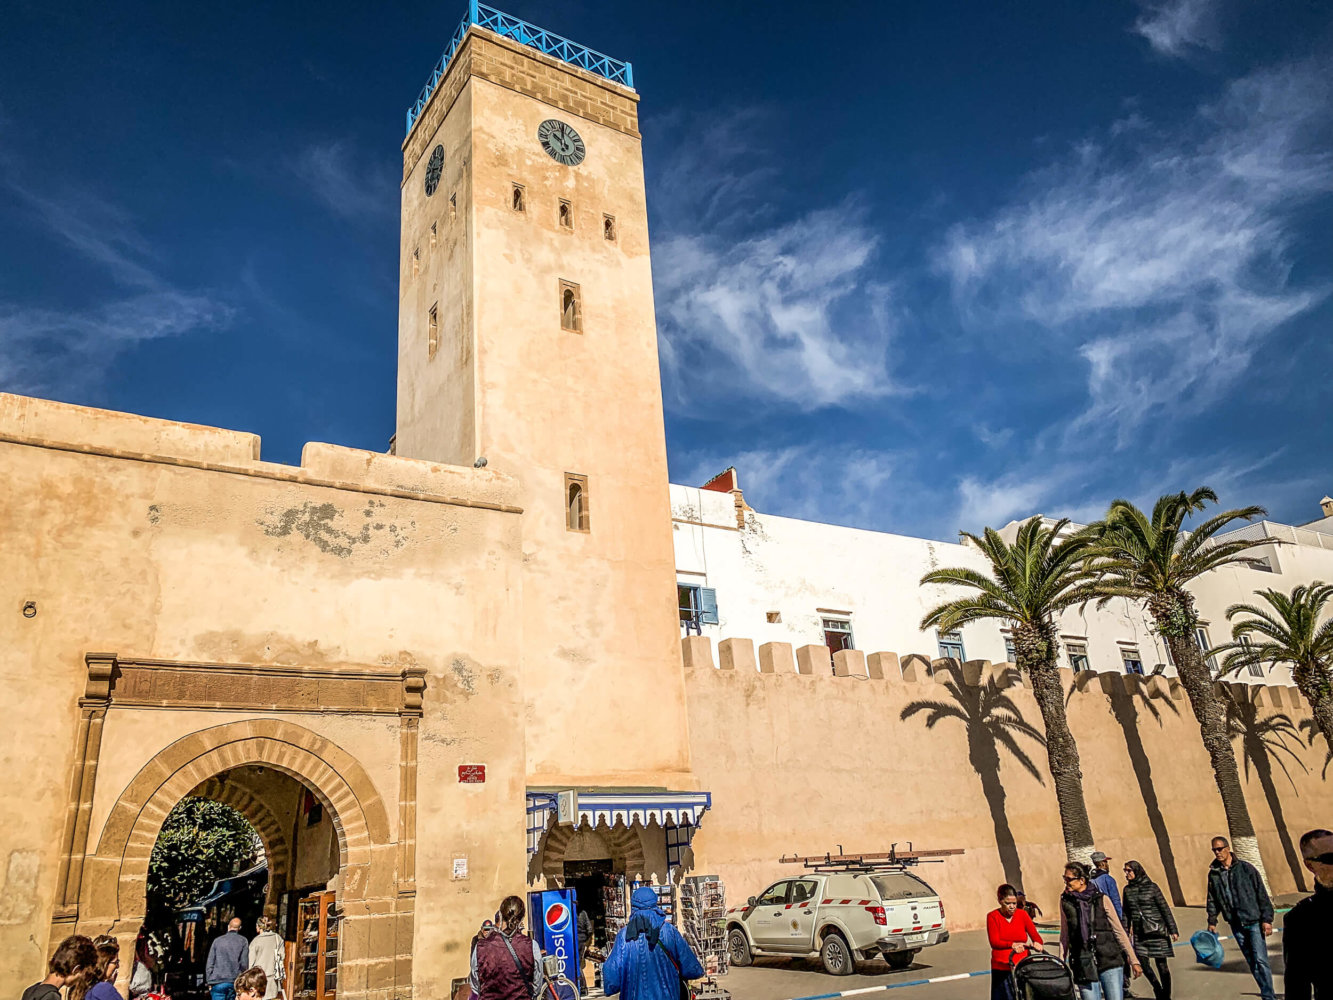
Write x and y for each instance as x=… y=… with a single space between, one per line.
x=376 y=924
x=622 y=842
x=277 y=846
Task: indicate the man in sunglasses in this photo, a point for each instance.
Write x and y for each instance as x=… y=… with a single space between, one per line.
x=1238 y=893
x=1308 y=928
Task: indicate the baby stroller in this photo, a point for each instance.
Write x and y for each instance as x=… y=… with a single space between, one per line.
x=1041 y=976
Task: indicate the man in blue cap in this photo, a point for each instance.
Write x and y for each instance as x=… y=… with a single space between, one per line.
x=649 y=960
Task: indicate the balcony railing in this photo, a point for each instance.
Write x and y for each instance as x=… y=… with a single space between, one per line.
x=527 y=34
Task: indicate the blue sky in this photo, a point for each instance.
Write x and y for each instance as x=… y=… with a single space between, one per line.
x=918 y=267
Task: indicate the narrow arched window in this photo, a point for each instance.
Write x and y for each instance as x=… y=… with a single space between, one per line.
x=576 y=502
x=566 y=214
x=571 y=310
x=517 y=203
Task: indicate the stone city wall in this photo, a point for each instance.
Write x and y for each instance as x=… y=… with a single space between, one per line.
x=178 y=609
x=804 y=752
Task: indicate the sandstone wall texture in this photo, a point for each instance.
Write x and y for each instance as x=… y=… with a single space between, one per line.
x=800 y=760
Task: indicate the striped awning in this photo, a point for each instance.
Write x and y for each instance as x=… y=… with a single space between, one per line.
x=667 y=808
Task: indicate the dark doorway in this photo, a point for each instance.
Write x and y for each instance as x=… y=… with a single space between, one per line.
x=587 y=878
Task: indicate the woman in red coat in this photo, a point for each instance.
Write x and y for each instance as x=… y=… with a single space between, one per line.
x=1011 y=932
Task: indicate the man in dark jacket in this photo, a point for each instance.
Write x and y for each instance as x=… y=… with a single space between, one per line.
x=228 y=957
x=1236 y=891
x=1308 y=928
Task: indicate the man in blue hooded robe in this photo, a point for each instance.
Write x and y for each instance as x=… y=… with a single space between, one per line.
x=649 y=960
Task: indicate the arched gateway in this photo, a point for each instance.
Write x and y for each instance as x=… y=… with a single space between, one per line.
x=375 y=959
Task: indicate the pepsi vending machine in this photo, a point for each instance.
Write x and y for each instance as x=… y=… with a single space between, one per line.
x=555 y=925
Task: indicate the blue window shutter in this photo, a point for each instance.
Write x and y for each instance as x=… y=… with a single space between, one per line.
x=708 y=606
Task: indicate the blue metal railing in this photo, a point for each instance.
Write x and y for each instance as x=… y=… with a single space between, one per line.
x=525 y=34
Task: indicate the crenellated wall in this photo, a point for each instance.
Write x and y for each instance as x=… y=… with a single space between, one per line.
x=803 y=752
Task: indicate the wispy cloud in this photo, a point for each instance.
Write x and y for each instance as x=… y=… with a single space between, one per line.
x=857 y=487
x=354 y=187
x=789 y=315
x=1161 y=261
x=1174 y=27
x=45 y=350
x=57 y=351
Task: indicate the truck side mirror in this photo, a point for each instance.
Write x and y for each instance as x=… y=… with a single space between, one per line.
x=750 y=901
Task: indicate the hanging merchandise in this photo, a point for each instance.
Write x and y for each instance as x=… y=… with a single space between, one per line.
x=702 y=920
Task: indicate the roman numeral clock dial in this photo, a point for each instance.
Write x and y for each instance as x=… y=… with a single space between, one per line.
x=562 y=143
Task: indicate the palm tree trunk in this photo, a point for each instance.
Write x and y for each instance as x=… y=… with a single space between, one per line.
x=1312 y=680
x=1198 y=684
x=1062 y=758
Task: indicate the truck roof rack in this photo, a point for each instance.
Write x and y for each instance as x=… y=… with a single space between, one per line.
x=891 y=860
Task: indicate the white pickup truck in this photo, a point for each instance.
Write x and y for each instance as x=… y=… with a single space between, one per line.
x=840 y=917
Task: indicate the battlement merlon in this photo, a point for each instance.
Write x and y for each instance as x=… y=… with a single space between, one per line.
x=817 y=661
x=529 y=60
x=32 y=422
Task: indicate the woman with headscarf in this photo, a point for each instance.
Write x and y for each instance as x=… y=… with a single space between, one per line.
x=649 y=959
x=1152 y=926
x=1092 y=938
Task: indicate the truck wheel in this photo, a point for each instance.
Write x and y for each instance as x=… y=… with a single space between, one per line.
x=901 y=959
x=738 y=945
x=836 y=956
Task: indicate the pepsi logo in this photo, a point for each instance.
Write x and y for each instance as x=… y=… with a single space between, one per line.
x=557 y=917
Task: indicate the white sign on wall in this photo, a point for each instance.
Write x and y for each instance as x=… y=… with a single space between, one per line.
x=567 y=807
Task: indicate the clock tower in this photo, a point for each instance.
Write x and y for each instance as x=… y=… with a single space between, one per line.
x=527 y=338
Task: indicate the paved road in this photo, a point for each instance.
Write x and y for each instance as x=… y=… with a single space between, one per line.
x=776 y=979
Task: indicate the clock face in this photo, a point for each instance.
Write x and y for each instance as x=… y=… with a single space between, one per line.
x=562 y=142
x=433 y=170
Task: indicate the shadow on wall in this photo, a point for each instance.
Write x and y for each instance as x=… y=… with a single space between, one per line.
x=1128 y=708
x=992 y=721
x=1264 y=742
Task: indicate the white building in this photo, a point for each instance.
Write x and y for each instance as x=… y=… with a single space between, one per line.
x=745 y=574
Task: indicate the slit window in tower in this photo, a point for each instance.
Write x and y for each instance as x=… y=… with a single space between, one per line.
x=576 y=502
x=433 y=332
x=609 y=228
x=571 y=309
x=566 y=214
x=516 y=201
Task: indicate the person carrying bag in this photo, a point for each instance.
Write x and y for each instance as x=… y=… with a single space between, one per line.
x=1151 y=926
x=649 y=959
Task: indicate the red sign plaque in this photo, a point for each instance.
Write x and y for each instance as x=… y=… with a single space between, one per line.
x=472 y=774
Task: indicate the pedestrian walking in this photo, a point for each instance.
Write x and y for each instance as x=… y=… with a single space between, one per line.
x=1151 y=926
x=1011 y=933
x=108 y=966
x=1027 y=906
x=506 y=964
x=1105 y=881
x=649 y=959
x=1092 y=939
x=1308 y=928
x=252 y=984
x=1237 y=893
x=228 y=957
x=267 y=952
x=73 y=965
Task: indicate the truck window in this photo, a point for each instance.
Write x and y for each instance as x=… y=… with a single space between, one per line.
x=900 y=885
x=803 y=889
x=774 y=895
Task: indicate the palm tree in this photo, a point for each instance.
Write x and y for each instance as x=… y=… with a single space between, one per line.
x=992 y=720
x=1291 y=634
x=1030 y=583
x=1153 y=559
x=1267 y=741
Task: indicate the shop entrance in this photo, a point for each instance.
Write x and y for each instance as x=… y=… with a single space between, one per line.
x=590 y=879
